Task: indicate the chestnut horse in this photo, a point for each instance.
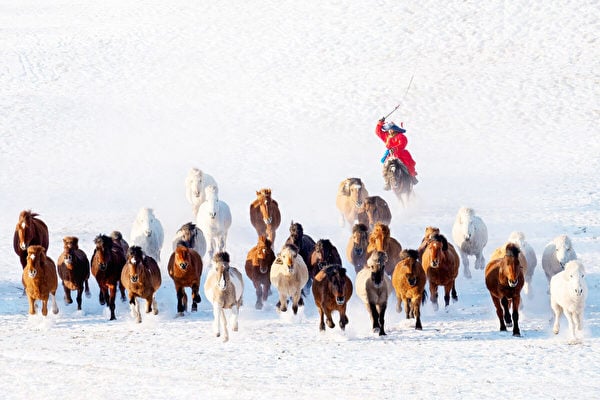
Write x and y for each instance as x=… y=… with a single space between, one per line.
x=264 y=214
x=401 y=183
x=185 y=268
x=332 y=290
x=107 y=263
x=409 y=281
x=141 y=277
x=356 y=249
x=29 y=231
x=504 y=279
x=374 y=209
x=440 y=261
x=380 y=240
x=324 y=253
x=39 y=279
x=258 y=269
x=74 y=270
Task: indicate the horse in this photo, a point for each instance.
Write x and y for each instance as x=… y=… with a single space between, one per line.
x=380 y=240
x=504 y=279
x=429 y=232
x=470 y=235
x=265 y=215
x=259 y=260
x=29 y=231
x=147 y=232
x=499 y=252
x=195 y=183
x=373 y=287
x=332 y=290
x=39 y=279
x=556 y=255
x=518 y=238
x=117 y=238
x=324 y=253
x=374 y=209
x=289 y=275
x=141 y=277
x=356 y=249
x=304 y=243
x=192 y=237
x=107 y=263
x=73 y=270
x=568 y=292
x=224 y=288
x=185 y=268
x=440 y=262
x=214 y=220
x=409 y=280
x=401 y=183
x=350 y=196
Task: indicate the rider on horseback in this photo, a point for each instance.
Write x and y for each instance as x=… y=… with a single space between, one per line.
x=395 y=142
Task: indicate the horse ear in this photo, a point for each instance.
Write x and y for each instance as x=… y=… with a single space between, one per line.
x=320 y=275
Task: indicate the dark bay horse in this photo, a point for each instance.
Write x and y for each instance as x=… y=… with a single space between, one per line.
x=356 y=249
x=265 y=215
x=374 y=209
x=258 y=269
x=332 y=290
x=401 y=183
x=185 y=268
x=305 y=245
x=107 y=263
x=29 y=231
x=74 y=270
x=324 y=253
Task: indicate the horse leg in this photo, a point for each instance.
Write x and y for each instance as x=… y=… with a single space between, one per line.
x=416 y=311
x=453 y=292
x=382 y=308
x=54 y=304
x=557 y=312
x=149 y=304
x=45 y=306
x=154 y=304
x=102 y=297
x=195 y=297
x=111 y=301
x=433 y=296
x=31 y=305
x=329 y=318
x=515 y=315
x=134 y=306
x=217 y=322
x=465 y=261
x=235 y=311
x=479 y=261
x=398 y=304
x=321 y=317
x=79 y=297
x=499 y=312
x=225 y=331
x=343 y=317
x=122 y=290
x=181 y=300
x=447 y=289
x=296 y=301
x=507 y=317
x=374 y=314
x=88 y=294
x=282 y=303
x=407 y=307
x=259 y=295
x=68 y=299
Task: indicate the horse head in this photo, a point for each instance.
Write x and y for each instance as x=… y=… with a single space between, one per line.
x=104 y=245
x=196 y=182
x=360 y=239
x=574 y=275
x=356 y=192
x=25 y=229
x=379 y=237
x=511 y=266
x=288 y=255
x=146 y=221
x=135 y=260
x=466 y=223
x=70 y=245
x=376 y=264
x=437 y=246
x=409 y=264
x=189 y=234
x=336 y=276
x=36 y=258
x=265 y=204
x=221 y=262
x=322 y=253
x=212 y=199
x=183 y=259
x=564 y=250
x=264 y=256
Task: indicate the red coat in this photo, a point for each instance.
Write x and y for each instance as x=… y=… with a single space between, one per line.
x=397 y=147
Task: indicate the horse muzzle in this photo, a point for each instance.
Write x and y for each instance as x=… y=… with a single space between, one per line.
x=268 y=221
x=513 y=284
x=212 y=215
x=358 y=251
x=32 y=273
x=183 y=266
x=23 y=246
x=340 y=300
x=412 y=281
x=263 y=270
x=134 y=278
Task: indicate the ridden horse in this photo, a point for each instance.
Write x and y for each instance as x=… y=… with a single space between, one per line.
x=185 y=268
x=380 y=240
x=107 y=263
x=214 y=220
x=39 y=279
x=440 y=262
x=224 y=288
x=258 y=269
x=289 y=275
x=141 y=277
x=350 y=196
x=265 y=215
x=356 y=249
x=373 y=287
x=374 y=209
x=192 y=237
x=196 y=182
x=504 y=279
x=409 y=281
x=74 y=270
x=324 y=253
x=147 y=232
x=332 y=290
x=29 y=231
x=401 y=183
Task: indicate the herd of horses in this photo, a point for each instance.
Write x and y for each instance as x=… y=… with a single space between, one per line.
x=301 y=266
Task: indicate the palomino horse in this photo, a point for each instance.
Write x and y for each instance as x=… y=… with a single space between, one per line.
x=374 y=209
x=409 y=281
x=258 y=269
x=289 y=275
x=192 y=237
x=356 y=249
x=440 y=261
x=264 y=214
x=214 y=220
x=29 y=231
x=74 y=270
x=224 y=288
x=350 y=196
x=185 y=268
x=401 y=183
x=324 y=253
x=305 y=245
x=380 y=240
x=39 y=279
x=504 y=279
x=195 y=183
x=141 y=277
x=332 y=290
x=107 y=263
x=373 y=287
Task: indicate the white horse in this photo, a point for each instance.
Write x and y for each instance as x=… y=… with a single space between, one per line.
x=518 y=238
x=192 y=237
x=568 y=292
x=214 y=220
x=195 y=183
x=147 y=232
x=470 y=235
x=224 y=288
x=556 y=255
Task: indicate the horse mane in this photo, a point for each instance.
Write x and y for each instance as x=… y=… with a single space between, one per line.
x=360 y=228
x=292 y=247
x=512 y=250
x=221 y=257
x=442 y=239
x=105 y=241
x=190 y=226
x=135 y=251
x=409 y=253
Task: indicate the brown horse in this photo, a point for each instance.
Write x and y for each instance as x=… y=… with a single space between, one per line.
x=504 y=279
x=39 y=279
x=258 y=269
x=185 y=268
x=74 y=270
x=324 y=253
x=429 y=232
x=332 y=290
x=401 y=183
x=380 y=240
x=141 y=277
x=356 y=249
x=29 y=231
x=264 y=214
x=374 y=209
x=440 y=261
x=107 y=263
x=409 y=281
x=350 y=196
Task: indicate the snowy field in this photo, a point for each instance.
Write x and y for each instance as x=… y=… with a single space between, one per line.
x=105 y=107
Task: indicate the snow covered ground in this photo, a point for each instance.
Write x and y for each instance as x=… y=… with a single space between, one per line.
x=105 y=106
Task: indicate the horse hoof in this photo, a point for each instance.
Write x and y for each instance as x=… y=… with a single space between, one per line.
x=517 y=334
x=180 y=314
x=88 y=294
x=258 y=306
x=194 y=307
